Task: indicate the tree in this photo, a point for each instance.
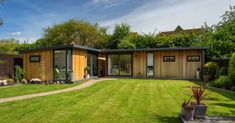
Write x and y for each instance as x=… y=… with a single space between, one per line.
x=120 y=32
x=220 y=38
x=72 y=32
x=9 y=46
x=127 y=43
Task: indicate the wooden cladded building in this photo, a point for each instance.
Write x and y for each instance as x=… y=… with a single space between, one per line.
x=68 y=63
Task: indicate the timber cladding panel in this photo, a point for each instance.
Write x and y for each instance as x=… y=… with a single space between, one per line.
x=178 y=69
x=139 y=64
x=43 y=69
x=79 y=63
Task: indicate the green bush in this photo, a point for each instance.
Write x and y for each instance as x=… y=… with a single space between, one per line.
x=211 y=68
x=223 y=81
x=223 y=71
x=231 y=69
x=233 y=88
x=19 y=72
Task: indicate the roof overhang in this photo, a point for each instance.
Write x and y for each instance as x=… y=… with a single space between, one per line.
x=114 y=50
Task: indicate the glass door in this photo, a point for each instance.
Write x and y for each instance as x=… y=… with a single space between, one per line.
x=62 y=65
x=92 y=64
x=150 y=65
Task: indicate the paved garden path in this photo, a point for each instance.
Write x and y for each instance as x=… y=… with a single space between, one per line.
x=81 y=86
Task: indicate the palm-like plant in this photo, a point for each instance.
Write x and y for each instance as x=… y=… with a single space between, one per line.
x=198 y=94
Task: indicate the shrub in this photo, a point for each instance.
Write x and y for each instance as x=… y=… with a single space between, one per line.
x=10 y=81
x=24 y=81
x=18 y=73
x=231 y=69
x=233 y=88
x=211 y=68
x=223 y=71
x=222 y=81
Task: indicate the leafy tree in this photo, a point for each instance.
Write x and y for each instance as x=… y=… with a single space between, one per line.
x=231 y=69
x=220 y=38
x=9 y=46
x=127 y=43
x=120 y=32
x=72 y=32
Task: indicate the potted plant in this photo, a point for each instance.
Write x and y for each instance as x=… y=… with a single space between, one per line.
x=139 y=75
x=187 y=110
x=86 y=74
x=200 y=108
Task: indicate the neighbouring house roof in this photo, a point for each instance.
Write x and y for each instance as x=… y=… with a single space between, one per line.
x=179 y=29
x=116 y=50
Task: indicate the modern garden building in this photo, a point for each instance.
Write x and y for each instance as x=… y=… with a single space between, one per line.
x=65 y=63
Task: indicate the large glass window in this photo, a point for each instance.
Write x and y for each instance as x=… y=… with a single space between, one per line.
x=150 y=66
x=125 y=64
x=62 y=64
x=120 y=64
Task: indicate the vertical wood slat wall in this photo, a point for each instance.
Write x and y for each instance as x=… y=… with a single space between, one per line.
x=79 y=63
x=42 y=69
x=180 y=69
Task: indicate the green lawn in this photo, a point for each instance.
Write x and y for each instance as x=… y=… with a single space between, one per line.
x=122 y=101
x=32 y=88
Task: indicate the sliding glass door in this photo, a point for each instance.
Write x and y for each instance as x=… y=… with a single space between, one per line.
x=62 y=64
x=92 y=63
x=120 y=65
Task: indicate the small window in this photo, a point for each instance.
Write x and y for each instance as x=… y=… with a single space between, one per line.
x=169 y=58
x=195 y=58
x=35 y=58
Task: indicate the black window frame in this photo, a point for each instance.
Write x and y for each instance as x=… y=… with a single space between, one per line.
x=30 y=58
x=193 y=60
x=168 y=61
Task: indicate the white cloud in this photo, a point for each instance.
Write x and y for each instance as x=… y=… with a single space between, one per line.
x=169 y=14
x=15 y=33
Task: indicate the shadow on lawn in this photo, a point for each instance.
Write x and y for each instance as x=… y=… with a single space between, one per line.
x=231 y=106
x=166 y=119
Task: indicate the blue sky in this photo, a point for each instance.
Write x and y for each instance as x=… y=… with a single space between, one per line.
x=25 y=19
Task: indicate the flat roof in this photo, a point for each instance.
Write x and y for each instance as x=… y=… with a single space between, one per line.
x=154 y=49
x=115 y=50
x=63 y=47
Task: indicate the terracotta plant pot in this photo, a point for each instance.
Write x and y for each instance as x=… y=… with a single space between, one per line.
x=200 y=111
x=189 y=113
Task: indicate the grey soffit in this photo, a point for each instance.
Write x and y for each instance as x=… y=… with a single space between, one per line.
x=116 y=50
